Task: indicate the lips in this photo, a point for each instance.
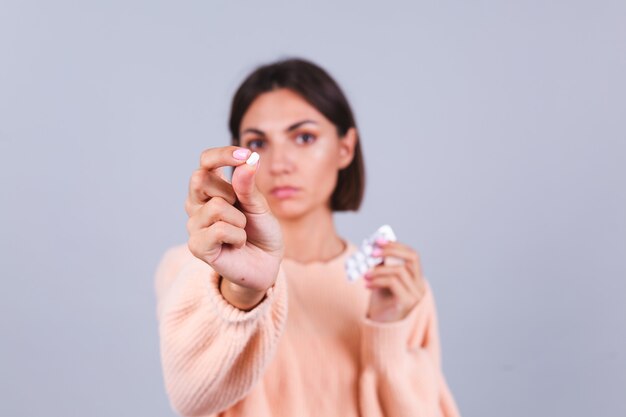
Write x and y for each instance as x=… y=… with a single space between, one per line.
x=284 y=191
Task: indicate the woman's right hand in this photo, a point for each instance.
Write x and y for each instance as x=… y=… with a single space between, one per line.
x=231 y=227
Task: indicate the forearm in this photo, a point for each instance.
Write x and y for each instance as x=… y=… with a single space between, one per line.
x=401 y=366
x=204 y=340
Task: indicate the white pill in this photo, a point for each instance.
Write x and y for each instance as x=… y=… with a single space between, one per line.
x=253 y=159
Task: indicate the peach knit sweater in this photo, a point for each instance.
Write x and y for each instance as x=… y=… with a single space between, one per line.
x=305 y=350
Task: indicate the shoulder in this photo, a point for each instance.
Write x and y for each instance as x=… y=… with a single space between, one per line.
x=175 y=256
x=171 y=261
x=178 y=252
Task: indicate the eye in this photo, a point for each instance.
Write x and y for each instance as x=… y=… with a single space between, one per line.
x=251 y=144
x=307 y=137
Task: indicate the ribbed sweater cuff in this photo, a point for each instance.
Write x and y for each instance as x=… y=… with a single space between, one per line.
x=231 y=314
x=384 y=344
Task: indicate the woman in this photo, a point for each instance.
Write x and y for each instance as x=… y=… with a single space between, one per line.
x=256 y=316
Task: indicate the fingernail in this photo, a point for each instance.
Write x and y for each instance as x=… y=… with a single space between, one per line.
x=241 y=154
x=377 y=251
x=254 y=158
x=381 y=241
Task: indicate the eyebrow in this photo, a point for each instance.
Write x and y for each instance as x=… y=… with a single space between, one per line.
x=289 y=129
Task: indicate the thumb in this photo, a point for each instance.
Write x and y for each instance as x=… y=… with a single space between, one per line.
x=243 y=182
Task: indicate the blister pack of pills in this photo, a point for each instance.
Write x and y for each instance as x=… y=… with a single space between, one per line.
x=362 y=260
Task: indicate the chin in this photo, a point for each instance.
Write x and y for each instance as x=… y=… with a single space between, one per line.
x=287 y=211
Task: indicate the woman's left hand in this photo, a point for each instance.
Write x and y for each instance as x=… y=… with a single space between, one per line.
x=396 y=289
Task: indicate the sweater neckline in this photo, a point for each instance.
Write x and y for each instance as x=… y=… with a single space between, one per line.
x=348 y=246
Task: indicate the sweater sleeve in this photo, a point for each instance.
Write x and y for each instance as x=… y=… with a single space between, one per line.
x=401 y=372
x=212 y=353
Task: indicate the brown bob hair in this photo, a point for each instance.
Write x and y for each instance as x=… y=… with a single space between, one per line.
x=319 y=89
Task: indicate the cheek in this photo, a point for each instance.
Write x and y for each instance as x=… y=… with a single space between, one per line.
x=321 y=167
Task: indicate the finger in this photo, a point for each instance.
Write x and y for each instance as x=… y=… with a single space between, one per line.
x=400 y=250
x=216 y=209
x=214 y=158
x=212 y=161
x=221 y=174
x=390 y=283
x=208 y=241
x=203 y=185
x=249 y=196
x=221 y=232
x=398 y=272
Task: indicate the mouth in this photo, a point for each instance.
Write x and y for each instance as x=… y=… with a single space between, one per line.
x=284 y=192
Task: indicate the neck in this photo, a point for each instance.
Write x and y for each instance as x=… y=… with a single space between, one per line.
x=311 y=237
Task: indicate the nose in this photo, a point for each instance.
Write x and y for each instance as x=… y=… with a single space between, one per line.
x=281 y=160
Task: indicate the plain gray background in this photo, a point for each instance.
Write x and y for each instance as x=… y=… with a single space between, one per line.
x=494 y=136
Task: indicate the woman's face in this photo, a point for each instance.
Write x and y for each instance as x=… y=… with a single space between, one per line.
x=301 y=152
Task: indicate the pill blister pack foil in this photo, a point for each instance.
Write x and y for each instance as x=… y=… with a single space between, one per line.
x=362 y=259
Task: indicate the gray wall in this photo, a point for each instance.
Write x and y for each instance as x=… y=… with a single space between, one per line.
x=496 y=129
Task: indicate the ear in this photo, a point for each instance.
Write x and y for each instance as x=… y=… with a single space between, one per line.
x=347 y=144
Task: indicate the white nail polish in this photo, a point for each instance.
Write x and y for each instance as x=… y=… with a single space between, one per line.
x=253 y=159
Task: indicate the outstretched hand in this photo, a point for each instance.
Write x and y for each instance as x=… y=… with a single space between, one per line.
x=231 y=226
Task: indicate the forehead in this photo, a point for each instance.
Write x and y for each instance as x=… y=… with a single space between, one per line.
x=275 y=110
